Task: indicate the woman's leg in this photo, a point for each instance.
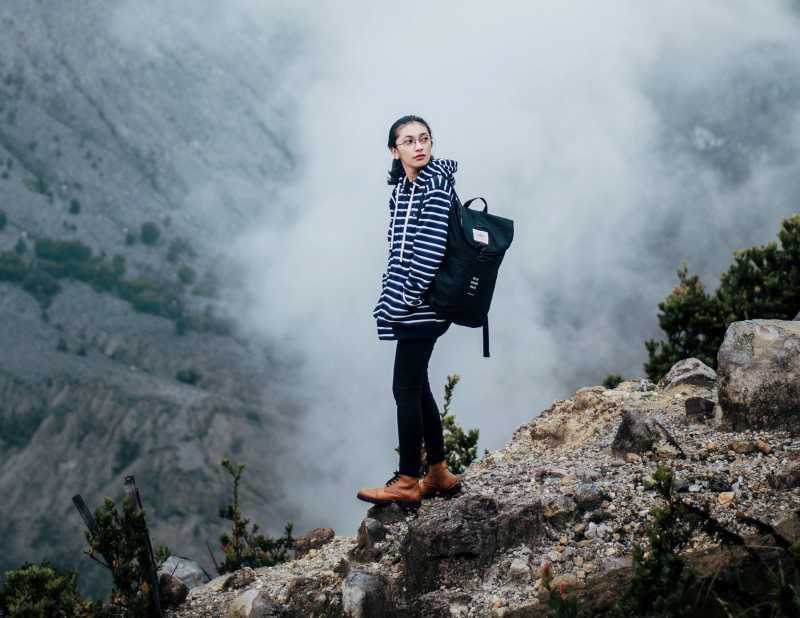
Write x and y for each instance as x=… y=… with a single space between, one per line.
x=432 y=425
x=408 y=385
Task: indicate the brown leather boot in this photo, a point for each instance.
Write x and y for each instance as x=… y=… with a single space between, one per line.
x=439 y=482
x=401 y=488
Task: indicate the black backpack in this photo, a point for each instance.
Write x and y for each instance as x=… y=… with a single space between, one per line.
x=463 y=286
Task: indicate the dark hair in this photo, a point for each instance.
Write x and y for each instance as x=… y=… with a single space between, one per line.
x=396 y=172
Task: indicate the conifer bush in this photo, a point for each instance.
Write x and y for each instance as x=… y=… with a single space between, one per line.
x=461 y=448
x=243 y=545
x=612 y=381
x=3 y=220
x=42 y=591
x=762 y=283
x=120 y=543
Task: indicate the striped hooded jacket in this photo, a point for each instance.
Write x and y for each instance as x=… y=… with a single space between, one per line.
x=417 y=237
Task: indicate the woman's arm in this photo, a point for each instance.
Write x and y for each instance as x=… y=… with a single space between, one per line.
x=430 y=241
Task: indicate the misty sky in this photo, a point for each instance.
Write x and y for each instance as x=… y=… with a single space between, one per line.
x=622 y=142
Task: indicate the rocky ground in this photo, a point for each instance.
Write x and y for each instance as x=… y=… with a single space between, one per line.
x=569 y=490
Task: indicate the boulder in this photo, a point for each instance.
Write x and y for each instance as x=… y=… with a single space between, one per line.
x=699 y=409
x=171 y=590
x=239 y=579
x=466 y=531
x=364 y=595
x=634 y=435
x=313 y=539
x=254 y=604
x=689 y=372
x=759 y=375
x=188 y=571
x=370 y=532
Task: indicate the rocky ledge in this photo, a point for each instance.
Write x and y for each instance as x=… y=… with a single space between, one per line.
x=573 y=488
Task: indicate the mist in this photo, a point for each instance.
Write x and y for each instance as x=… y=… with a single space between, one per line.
x=621 y=141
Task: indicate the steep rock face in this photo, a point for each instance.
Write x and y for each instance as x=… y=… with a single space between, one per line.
x=555 y=494
x=759 y=374
x=108 y=122
x=78 y=423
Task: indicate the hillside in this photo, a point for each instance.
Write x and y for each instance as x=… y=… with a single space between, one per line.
x=561 y=492
x=119 y=354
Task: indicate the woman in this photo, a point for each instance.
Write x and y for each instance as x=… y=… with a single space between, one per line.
x=417 y=236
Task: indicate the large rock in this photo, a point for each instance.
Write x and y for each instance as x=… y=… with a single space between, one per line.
x=188 y=571
x=313 y=539
x=759 y=374
x=689 y=372
x=364 y=595
x=634 y=435
x=171 y=590
x=254 y=604
x=467 y=531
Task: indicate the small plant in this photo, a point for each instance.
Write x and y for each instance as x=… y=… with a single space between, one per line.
x=74 y=207
x=130 y=238
x=561 y=604
x=188 y=376
x=149 y=233
x=662 y=584
x=461 y=448
x=41 y=591
x=3 y=219
x=62 y=345
x=120 y=542
x=21 y=247
x=244 y=546
x=612 y=381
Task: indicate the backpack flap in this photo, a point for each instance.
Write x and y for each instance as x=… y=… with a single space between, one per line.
x=486 y=233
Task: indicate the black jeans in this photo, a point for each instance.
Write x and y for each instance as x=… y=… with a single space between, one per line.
x=417 y=414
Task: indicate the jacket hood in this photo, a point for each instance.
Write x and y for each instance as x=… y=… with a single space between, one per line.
x=444 y=167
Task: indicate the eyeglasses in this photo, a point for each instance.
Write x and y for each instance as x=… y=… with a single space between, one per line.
x=408 y=142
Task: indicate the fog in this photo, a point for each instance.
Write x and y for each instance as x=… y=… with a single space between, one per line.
x=622 y=142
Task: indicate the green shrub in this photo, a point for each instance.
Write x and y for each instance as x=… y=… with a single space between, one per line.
x=763 y=282
x=149 y=233
x=74 y=207
x=3 y=219
x=612 y=380
x=662 y=584
x=120 y=542
x=245 y=546
x=188 y=376
x=461 y=449
x=130 y=238
x=41 y=591
x=62 y=250
x=21 y=247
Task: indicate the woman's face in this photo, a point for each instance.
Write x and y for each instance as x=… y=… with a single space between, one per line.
x=413 y=145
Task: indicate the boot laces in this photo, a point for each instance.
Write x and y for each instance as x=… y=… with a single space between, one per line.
x=394 y=479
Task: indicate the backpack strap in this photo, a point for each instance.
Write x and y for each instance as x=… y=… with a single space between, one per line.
x=486 y=337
